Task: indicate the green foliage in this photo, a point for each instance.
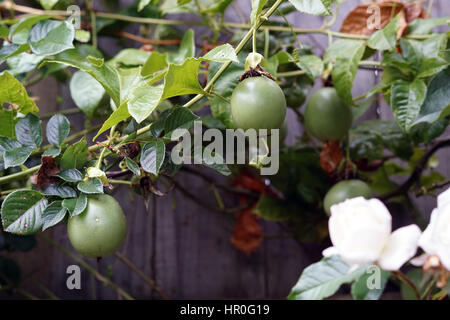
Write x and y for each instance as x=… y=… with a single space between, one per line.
x=75 y=155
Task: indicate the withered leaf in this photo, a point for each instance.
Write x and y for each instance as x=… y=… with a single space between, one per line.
x=331 y=156
x=44 y=177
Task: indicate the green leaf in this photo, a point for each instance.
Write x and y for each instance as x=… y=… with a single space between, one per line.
x=7 y=119
x=346 y=54
x=186 y=49
x=406 y=99
x=51 y=37
x=130 y=57
x=424 y=26
x=361 y=108
x=273 y=209
x=311 y=64
x=117 y=116
x=182 y=79
x=224 y=86
x=314 y=7
x=26 y=24
x=59 y=191
x=142 y=4
x=21 y=212
x=152 y=156
x=133 y=166
x=82 y=36
x=48 y=4
x=13 y=92
x=179 y=118
x=75 y=155
x=386 y=38
x=437 y=102
x=70 y=175
x=104 y=74
x=156 y=62
x=7 y=143
x=11 y=50
x=52 y=152
x=17 y=156
x=223 y=53
x=75 y=205
x=322 y=279
x=257 y=6
x=4 y=32
x=143 y=100
x=361 y=290
x=86 y=92
x=92 y=186
x=53 y=214
x=28 y=131
x=219 y=7
x=58 y=128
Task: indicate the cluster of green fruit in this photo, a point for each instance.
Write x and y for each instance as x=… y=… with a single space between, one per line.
x=259 y=103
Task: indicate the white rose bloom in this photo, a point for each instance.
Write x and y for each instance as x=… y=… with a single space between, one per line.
x=360 y=231
x=435 y=240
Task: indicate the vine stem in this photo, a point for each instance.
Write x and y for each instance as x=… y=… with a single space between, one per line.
x=142 y=275
x=90 y=269
x=237 y=50
x=66 y=112
x=403 y=278
x=114 y=16
x=95 y=147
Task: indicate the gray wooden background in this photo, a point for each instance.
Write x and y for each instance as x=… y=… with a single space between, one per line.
x=184 y=247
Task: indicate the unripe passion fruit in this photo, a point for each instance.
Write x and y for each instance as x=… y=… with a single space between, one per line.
x=344 y=190
x=100 y=229
x=327 y=117
x=258 y=103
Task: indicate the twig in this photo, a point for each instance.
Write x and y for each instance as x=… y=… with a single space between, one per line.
x=403 y=278
x=142 y=275
x=143 y=40
x=64 y=112
x=414 y=177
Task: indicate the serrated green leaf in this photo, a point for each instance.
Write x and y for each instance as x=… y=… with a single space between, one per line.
x=21 y=212
x=11 y=50
x=346 y=65
x=133 y=166
x=437 y=102
x=53 y=214
x=314 y=7
x=406 y=99
x=51 y=37
x=70 y=175
x=322 y=279
x=86 y=92
x=386 y=38
x=360 y=288
x=75 y=155
x=7 y=143
x=179 y=118
x=152 y=156
x=58 y=128
x=29 y=131
x=13 y=92
x=75 y=205
x=223 y=53
x=59 y=191
x=17 y=156
x=52 y=152
x=92 y=186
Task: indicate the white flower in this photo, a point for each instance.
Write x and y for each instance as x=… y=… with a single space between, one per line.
x=360 y=231
x=435 y=240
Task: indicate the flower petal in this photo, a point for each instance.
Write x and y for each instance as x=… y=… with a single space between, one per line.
x=443 y=198
x=330 y=251
x=401 y=246
x=426 y=239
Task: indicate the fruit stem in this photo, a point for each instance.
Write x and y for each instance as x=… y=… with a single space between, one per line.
x=237 y=50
